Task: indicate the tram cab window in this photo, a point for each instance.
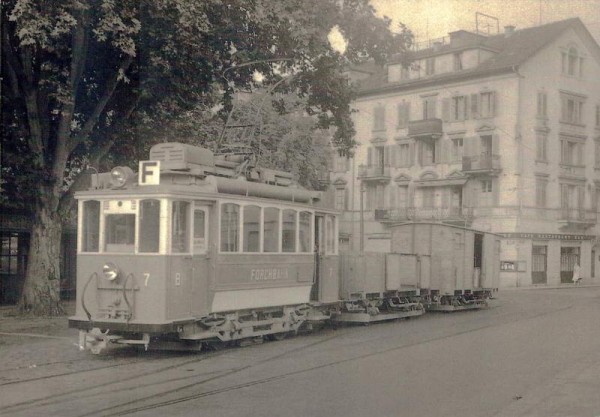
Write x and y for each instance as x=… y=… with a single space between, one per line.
x=199 y=231
x=91 y=226
x=149 y=226
x=230 y=225
x=304 y=232
x=288 y=231
x=251 y=229
x=271 y=230
x=120 y=233
x=180 y=240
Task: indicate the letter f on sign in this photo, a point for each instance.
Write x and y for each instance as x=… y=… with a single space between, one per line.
x=149 y=173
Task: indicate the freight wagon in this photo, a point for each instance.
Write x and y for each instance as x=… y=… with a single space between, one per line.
x=459 y=267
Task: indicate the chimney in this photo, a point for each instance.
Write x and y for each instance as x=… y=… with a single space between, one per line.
x=509 y=30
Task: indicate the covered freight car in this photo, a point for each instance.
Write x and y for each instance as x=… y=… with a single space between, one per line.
x=464 y=263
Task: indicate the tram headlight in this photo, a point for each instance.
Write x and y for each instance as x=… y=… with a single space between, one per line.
x=119 y=176
x=110 y=271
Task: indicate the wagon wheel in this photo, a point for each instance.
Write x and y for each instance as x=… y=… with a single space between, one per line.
x=278 y=336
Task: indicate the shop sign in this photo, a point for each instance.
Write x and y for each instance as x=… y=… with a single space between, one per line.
x=545 y=236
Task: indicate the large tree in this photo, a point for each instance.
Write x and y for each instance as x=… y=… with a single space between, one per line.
x=79 y=78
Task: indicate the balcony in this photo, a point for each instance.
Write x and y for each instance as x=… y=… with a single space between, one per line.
x=452 y=215
x=572 y=170
x=484 y=164
x=376 y=173
x=578 y=218
x=425 y=129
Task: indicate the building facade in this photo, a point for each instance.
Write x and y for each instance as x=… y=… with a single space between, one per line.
x=499 y=133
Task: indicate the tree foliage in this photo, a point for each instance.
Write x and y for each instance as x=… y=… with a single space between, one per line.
x=80 y=77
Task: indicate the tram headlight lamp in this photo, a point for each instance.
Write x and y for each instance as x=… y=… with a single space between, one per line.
x=110 y=271
x=119 y=176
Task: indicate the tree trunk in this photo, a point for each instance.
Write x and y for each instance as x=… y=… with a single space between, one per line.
x=41 y=290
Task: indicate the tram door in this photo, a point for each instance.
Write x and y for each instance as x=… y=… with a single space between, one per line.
x=326 y=284
x=319 y=251
x=200 y=264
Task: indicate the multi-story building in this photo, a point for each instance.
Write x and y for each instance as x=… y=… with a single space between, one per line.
x=493 y=132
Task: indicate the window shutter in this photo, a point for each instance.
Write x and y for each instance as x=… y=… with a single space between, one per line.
x=446 y=110
x=474 y=106
x=406 y=113
x=438 y=151
x=494 y=105
x=411 y=154
x=580 y=197
x=346 y=198
x=495 y=145
x=369 y=157
x=392 y=197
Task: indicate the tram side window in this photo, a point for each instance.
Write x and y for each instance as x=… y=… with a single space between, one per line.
x=120 y=233
x=199 y=231
x=251 y=229
x=271 y=230
x=91 y=226
x=304 y=231
x=179 y=227
x=330 y=232
x=230 y=224
x=288 y=232
x=149 y=226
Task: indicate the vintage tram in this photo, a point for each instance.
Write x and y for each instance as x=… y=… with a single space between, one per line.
x=198 y=248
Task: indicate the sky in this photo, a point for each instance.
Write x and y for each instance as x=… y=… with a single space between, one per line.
x=436 y=18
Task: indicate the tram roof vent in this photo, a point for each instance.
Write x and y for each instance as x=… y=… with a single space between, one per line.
x=181 y=156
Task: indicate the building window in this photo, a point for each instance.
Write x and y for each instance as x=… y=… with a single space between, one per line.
x=458 y=63
x=572 y=63
x=459 y=108
x=571 y=152
x=340 y=199
x=430 y=66
x=379 y=118
x=486 y=186
x=429 y=108
x=571 y=109
x=403 y=156
x=340 y=163
x=403 y=114
x=541 y=152
x=428 y=197
x=571 y=200
x=457 y=150
x=487 y=104
x=428 y=153
x=542 y=109
x=540 y=192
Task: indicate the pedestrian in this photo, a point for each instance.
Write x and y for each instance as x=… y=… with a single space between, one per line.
x=576 y=273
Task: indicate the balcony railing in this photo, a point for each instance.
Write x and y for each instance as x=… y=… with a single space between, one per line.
x=428 y=128
x=574 y=170
x=481 y=164
x=462 y=214
x=374 y=173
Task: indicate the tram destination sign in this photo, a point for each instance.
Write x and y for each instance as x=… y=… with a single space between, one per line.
x=546 y=236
